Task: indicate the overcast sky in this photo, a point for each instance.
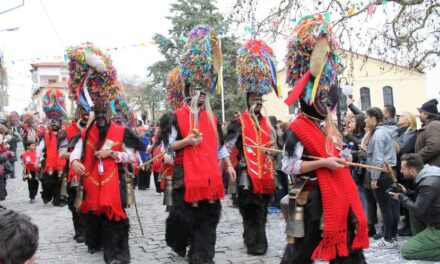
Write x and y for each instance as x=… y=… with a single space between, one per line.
x=46 y=27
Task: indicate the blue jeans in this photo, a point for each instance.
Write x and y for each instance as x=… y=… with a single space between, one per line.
x=389 y=208
x=363 y=196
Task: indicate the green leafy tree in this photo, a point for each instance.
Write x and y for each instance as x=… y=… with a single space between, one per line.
x=186 y=15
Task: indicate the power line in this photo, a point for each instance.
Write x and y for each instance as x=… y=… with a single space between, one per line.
x=52 y=24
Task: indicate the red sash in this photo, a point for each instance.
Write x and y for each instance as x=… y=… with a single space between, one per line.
x=102 y=191
x=29 y=158
x=339 y=194
x=72 y=130
x=53 y=161
x=259 y=166
x=200 y=163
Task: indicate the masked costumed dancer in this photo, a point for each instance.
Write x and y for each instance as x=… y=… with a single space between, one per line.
x=323 y=190
x=69 y=136
x=160 y=142
x=257 y=76
x=197 y=139
x=49 y=148
x=121 y=114
x=100 y=153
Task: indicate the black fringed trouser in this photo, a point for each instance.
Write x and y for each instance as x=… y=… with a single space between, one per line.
x=112 y=236
x=192 y=226
x=253 y=210
x=302 y=250
x=51 y=185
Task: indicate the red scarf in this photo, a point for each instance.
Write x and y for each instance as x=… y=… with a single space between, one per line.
x=339 y=194
x=259 y=166
x=29 y=159
x=102 y=191
x=53 y=161
x=200 y=163
x=71 y=130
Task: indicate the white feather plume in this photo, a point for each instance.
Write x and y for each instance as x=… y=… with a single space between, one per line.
x=95 y=61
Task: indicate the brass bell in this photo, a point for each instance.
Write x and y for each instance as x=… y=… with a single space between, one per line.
x=63 y=190
x=290 y=228
x=131 y=200
x=168 y=192
x=298 y=222
x=290 y=240
x=232 y=187
x=79 y=197
x=245 y=182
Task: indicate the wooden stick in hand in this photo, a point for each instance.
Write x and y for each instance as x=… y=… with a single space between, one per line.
x=153 y=159
x=353 y=164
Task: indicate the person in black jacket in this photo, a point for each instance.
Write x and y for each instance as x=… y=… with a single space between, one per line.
x=406 y=139
x=425 y=206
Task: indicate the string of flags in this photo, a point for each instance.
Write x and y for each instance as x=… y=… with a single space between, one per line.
x=64 y=56
x=352 y=10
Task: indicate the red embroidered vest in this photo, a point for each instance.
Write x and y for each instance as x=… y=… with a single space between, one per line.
x=72 y=130
x=53 y=160
x=102 y=191
x=259 y=166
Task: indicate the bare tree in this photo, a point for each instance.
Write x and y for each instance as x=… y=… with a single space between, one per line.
x=405 y=32
x=145 y=97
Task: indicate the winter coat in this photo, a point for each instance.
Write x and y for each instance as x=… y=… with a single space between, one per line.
x=406 y=140
x=381 y=148
x=426 y=206
x=428 y=143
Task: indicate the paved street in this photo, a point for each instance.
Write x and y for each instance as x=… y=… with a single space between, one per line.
x=57 y=245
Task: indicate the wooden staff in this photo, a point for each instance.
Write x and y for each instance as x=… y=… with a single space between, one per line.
x=153 y=159
x=390 y=171
x=139 y=218
x=320 y=158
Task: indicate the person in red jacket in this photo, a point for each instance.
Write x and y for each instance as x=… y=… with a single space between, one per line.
x=29 y=158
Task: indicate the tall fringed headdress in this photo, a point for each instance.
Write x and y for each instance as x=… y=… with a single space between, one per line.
x=201 y=60
x=174 y=88
x=121 y=112
x=311 y=59
x=93 y=78
x=54 y=104
x=256 y=69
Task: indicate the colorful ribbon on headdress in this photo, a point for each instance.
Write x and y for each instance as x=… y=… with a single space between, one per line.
x=256 y=69
x=304 y=36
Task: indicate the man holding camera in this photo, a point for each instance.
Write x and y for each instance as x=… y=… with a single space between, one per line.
x=426 y=207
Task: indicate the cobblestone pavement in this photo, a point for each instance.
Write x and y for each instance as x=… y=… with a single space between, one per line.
x=57 y=245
